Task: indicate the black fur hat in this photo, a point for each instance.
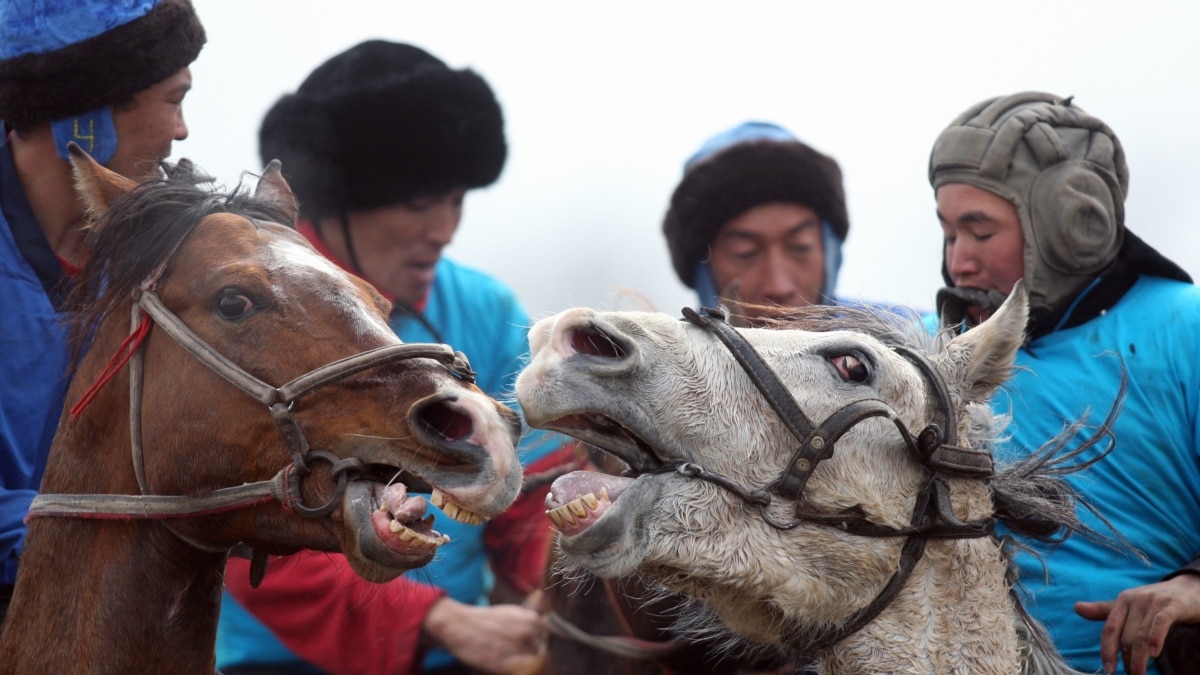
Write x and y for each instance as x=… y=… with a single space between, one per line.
x=725 y=184
x=66 y=57
x=383 y=123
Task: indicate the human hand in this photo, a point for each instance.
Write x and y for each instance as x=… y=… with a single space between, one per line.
x=502 y=639
x=1136 y=623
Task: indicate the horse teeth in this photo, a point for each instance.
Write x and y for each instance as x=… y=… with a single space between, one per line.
x=456 y=512
x=578 y=508
x=565 y=515
x=410 y=536
x=438 y=498
x=604 y=495
x=590 y=500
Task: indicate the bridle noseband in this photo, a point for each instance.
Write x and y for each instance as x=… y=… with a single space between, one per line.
x=935 y=447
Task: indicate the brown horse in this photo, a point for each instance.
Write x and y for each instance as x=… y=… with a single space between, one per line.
x=187 y=450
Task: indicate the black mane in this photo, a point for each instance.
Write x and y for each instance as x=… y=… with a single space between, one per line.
x=140 y=231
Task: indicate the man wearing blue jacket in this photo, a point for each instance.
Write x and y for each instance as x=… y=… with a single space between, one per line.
x=110 y=77
x=1030 y=186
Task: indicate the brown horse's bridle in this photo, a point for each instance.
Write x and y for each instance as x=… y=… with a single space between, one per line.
x=284 y=486
x=935 y=447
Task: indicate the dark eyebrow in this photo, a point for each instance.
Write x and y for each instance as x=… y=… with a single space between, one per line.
x=969 y=218
x=805 y=224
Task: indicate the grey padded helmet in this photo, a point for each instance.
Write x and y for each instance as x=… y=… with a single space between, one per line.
x=1062 y=169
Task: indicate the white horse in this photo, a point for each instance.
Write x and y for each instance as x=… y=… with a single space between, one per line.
x=831 y=515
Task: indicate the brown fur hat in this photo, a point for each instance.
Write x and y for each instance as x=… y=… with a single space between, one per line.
x=724 y=184
x=60 y=58
x=382 y=123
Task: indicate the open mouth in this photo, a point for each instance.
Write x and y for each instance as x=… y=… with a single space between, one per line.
x=399 y=518
x=612 y=437
x=578 y=500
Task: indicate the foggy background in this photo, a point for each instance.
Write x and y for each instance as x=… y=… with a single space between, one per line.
x=604 y=101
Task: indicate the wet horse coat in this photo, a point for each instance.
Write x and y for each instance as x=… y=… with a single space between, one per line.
x=260 y=398
x=786 y=544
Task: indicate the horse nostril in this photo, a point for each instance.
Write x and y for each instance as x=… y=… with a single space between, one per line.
x=588 y=340
x=444 y=419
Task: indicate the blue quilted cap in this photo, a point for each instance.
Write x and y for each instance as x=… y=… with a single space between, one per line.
x=742 y=133
x=40 y=27
x=60 y=58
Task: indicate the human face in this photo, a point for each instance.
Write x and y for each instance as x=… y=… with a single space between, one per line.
x=147 y=126
x=984 y=244
x=398 y=246
x=770 y=255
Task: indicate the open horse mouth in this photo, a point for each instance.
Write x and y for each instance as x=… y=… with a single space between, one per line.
x=403 y=532
x=389 y=524
x=401 y=523
x=400 y=519
x=578 y=499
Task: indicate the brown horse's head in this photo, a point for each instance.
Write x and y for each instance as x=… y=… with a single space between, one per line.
x=249 y=289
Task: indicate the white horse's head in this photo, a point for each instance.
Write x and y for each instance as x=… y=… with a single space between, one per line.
x=786 y=539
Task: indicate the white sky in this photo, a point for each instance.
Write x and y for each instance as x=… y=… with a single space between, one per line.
x=604 y=101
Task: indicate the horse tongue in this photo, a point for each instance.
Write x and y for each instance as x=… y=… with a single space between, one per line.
x=576 y=484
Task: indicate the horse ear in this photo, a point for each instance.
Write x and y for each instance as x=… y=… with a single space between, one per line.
x=97 y=187
x=981 y=359
x=273 y=188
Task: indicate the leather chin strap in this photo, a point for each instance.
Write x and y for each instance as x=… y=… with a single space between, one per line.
x=935 y=448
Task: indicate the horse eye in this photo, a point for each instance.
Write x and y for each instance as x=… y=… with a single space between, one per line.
x=233 y=304
x=851 y=368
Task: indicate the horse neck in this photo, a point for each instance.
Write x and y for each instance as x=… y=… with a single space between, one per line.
x=125 y=594
x=955 y=614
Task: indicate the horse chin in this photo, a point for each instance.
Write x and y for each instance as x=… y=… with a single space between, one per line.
x=620 y=539
x=378 y=544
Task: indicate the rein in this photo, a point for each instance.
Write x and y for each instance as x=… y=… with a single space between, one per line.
x=935 y=447
x=284 y=486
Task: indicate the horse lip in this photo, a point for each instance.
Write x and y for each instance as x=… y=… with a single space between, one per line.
x=597 y=429
x=387 y=474
x=357 y=504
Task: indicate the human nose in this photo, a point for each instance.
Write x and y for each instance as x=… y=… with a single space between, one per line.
x=181 y=128
x=961 y=259
x=441 y=223
x=778 y=284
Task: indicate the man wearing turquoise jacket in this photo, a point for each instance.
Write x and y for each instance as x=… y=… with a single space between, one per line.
x=380 y=144
x=1029 y=186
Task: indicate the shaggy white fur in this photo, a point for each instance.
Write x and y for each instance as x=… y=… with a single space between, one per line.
x=657 y=391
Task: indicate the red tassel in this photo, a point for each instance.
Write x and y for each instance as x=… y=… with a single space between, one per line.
x=125 y=352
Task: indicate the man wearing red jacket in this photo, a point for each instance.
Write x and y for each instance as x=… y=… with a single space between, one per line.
x=380 y=144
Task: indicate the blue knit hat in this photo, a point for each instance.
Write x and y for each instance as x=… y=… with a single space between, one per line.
x=751 y=164
x=61 y=58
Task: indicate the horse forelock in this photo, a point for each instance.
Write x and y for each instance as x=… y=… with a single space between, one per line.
x=139 y=231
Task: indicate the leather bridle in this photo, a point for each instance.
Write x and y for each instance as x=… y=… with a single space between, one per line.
x=935 y=448
x=284 y=486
